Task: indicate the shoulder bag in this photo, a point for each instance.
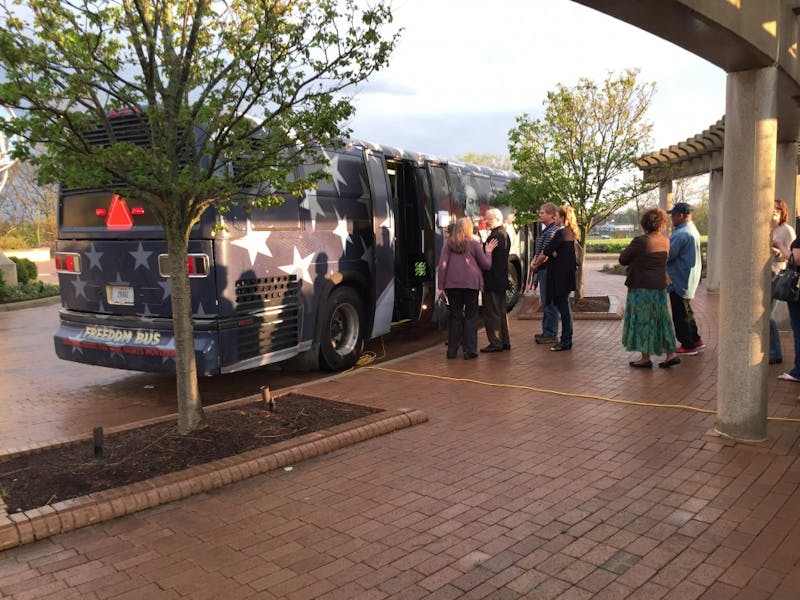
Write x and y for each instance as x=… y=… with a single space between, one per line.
x=786 y=284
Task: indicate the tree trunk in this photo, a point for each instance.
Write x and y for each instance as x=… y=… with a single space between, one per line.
x=190 y=408
x=580 y=254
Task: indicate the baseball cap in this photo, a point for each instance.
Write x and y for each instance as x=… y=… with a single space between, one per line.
x=681 y=208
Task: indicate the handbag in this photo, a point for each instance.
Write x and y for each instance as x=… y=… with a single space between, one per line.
x=441 y=307
x=441 y=312
x=786 y=284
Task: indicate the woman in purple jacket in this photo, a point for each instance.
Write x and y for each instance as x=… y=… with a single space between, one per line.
x=460 y=277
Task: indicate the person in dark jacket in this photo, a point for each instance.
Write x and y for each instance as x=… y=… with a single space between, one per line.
x=538 y=272
x=561 y=270
x=647 y=326
x=495 y=282
x=460 y=277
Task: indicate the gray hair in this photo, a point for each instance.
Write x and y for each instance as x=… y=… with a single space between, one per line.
x=496 y=214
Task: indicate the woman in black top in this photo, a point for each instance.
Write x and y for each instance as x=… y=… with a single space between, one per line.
x=561 y=269
x=647 y=325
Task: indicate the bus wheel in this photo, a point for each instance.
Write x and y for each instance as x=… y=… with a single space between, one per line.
x=342 y=330
x=512 y=288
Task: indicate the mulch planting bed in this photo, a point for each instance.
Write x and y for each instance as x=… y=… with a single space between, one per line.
x=53 y=474
x=599 y=304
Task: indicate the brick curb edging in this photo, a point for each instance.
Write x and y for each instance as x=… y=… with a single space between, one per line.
x=36 y=524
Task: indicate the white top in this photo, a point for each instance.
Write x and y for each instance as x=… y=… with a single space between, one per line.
x=785 y=235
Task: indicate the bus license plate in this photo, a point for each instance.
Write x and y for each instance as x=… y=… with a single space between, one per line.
x=121 y=294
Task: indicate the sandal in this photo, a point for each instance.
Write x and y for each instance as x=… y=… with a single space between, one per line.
x=560 y=347
x=648 y=364
x=787 y=377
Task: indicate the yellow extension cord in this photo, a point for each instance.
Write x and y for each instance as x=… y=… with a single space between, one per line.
x=367 y=358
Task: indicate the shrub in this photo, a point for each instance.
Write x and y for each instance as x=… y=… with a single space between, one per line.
x=26 y=270
x=28 y=291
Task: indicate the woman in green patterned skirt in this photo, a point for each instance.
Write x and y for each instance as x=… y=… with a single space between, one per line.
x=647 y=327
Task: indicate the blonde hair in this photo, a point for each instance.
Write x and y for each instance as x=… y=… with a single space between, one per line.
x=462 y=232
x=570 y=222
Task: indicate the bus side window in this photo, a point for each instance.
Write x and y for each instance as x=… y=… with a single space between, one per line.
x=441 y=190
x=345 y=175
x=285 y=217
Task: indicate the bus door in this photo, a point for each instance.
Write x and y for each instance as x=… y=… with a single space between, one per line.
x=414 y=252
x=443 y=204
x=383 y=223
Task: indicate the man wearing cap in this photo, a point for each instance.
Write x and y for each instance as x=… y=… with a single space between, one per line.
x=683 y=268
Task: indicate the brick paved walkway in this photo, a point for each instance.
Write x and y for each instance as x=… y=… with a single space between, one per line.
x=507 y=492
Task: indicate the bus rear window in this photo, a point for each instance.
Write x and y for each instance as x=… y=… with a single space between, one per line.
x=104 y=211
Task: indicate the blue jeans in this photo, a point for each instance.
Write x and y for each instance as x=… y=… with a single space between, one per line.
x=549 y=311
x=794 y=318
x=775 y=350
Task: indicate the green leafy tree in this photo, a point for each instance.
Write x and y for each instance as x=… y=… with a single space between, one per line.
x=582 y=151
x=255 y=82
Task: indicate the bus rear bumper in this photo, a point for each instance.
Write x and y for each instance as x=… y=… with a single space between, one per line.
x=120 y=345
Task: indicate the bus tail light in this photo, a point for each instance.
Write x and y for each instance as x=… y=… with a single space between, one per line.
x=196 y=264
x=68 y=262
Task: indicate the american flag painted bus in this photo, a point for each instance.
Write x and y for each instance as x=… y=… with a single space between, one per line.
x=307 y=281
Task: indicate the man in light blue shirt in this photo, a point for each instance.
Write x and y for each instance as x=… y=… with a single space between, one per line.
x=684 y=266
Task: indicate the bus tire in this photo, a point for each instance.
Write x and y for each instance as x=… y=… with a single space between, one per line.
x=512 y=288
x=341 y=329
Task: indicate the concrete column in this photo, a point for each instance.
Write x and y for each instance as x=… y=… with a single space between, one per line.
x=665 y=195
x=715 y=208
x=786 y=175
x=751 y=128
x=793 y=206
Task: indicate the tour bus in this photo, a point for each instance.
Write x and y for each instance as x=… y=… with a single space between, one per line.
x=307 y=281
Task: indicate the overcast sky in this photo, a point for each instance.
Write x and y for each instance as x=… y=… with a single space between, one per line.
x=464 y=69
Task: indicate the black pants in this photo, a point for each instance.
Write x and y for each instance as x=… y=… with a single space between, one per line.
x=494 y=318
x=463 y=328
x=564 y=308
x=683 y=319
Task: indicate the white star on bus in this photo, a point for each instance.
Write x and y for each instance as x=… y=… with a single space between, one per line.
x=255 y=242
x=342 y=231
x=300 y=266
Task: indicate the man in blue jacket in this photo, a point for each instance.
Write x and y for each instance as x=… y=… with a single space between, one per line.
x=684 y=266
